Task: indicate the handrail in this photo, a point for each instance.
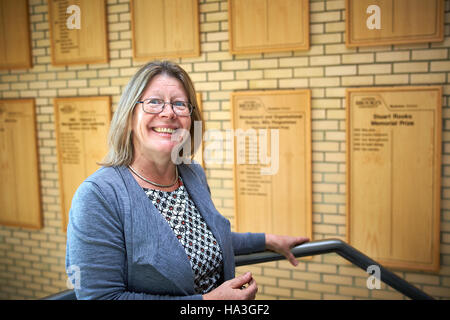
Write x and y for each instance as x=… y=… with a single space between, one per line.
x=309 y=249
x=347 y=252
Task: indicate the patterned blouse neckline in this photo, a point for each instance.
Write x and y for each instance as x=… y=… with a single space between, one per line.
x=193 y=233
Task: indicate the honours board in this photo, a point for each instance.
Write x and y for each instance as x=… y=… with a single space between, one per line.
x=381 y=22
x=78 y=31
x=393 y=174
x=272 y=163
x=165 y=28
x=268 y=26
x=15 y=47
x=19 y=171
x=82 y=126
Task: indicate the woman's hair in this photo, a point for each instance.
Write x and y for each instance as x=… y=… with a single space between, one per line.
x=120 y=141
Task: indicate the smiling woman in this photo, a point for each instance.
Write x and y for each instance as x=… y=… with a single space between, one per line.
x=153 y=127
x=120 y=136
x=142 y=227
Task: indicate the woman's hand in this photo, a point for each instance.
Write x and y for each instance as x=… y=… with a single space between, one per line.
x=234 y=289
x=283 y=245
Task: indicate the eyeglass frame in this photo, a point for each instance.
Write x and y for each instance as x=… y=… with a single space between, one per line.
x=190 y=107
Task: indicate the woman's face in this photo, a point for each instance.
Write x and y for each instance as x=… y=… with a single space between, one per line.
x=152 y=133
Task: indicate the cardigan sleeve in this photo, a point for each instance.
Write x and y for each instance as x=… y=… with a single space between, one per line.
x=96 y=249
x=244 y=243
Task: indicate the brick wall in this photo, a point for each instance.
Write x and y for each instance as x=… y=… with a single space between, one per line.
x=32 y=262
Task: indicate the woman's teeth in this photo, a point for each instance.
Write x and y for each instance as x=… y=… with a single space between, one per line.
x=164 y=130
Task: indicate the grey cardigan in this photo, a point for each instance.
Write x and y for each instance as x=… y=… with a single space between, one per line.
x=122 y=248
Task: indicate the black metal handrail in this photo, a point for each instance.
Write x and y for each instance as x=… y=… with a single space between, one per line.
x=310 y=249
x=347 y=252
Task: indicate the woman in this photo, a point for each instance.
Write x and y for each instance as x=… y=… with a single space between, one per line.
x=142 y=227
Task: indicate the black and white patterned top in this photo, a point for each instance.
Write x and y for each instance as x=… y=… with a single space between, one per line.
x=191 y=230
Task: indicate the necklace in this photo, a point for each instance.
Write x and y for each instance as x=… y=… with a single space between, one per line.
x=157 y=184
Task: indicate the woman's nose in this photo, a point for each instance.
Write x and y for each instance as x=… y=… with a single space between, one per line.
x=167 y=111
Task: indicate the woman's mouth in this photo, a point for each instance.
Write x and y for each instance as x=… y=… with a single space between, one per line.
x=174 y=134
x=163 y=130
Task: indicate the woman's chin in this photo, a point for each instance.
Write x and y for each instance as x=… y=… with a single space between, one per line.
x=164 y=148
x=164 y=143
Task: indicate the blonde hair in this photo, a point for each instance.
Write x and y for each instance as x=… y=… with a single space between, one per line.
x=120 y=140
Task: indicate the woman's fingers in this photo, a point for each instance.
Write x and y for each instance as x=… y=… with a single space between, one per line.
x=245 y=292
x=239 y=282
x=301 y=240
x=251 y=290
x=235 y=289
x=290 y=257
x=288 y=254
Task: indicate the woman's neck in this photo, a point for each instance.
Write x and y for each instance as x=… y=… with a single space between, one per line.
x=160 y=172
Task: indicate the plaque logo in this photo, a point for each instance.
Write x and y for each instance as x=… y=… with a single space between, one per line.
x=67 y=109
x=368 y=102
x=249 y=105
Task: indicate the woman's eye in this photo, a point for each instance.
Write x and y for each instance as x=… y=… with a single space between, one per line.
x=154 y=101
x=179 y=104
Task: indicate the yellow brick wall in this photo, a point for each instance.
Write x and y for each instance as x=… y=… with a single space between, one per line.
x=32 y=262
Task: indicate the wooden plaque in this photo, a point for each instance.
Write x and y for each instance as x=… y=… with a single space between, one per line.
x=165 y=28
x=78 y=44
x=393 y=174
x=267 y=26
x=82 y=126
x=271 y=127
x=15 y=47
x=381 y=22
x=20 y=200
